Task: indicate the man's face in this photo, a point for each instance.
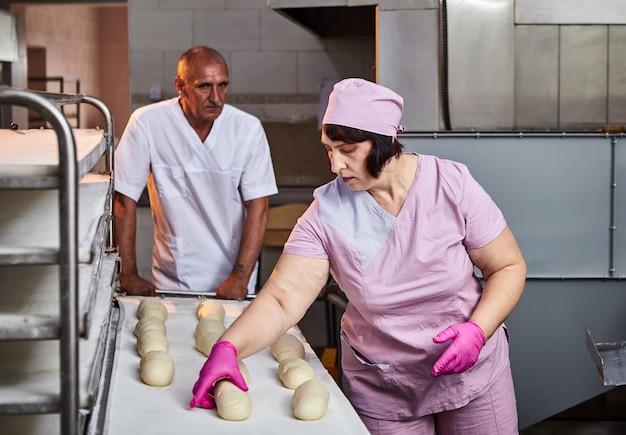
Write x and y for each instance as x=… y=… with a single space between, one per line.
x=203 y=91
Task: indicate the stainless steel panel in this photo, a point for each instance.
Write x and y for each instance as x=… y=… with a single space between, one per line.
x=620 y=209
x=553 y=191
x=570 y=12
x=583 y=76
x=617 y=75
x=408 y=63
x=536 y=77
x=481 y=73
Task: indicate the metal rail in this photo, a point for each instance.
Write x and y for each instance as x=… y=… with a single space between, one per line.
x=61 y=80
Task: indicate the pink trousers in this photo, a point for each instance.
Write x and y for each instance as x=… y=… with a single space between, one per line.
x=493 y=413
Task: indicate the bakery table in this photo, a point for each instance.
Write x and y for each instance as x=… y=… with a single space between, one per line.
x=134 y=407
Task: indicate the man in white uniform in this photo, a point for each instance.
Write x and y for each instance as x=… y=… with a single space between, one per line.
x=209 y=174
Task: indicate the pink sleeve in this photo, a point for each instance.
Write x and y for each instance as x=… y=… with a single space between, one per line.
x=306 y=238
x=483 y=219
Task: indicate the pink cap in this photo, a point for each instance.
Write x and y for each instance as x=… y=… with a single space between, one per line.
x=362 y=104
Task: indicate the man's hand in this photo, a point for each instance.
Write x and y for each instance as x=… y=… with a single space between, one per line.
x=233 y=288
x=134 y=285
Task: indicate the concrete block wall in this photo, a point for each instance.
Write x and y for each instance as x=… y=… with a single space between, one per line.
x=276 y=66
x=89 y=42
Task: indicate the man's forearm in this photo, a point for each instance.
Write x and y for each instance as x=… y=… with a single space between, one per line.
x=125 y=212
x=252 y=237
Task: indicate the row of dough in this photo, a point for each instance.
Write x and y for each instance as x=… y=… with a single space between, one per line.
x=156 y=366
x=310 y=398
x=231 y=402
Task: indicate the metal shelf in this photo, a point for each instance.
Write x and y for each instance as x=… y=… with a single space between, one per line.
x=30 y=158
x=29 y=228
x=29 y=379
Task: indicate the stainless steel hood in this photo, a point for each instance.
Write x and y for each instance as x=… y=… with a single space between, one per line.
x=333 y=21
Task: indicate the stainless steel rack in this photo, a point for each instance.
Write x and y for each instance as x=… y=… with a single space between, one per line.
x=57 y=270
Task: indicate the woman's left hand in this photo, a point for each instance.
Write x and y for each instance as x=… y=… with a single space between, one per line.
x=468 y=339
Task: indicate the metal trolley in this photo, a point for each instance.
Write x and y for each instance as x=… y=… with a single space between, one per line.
x=57 y=272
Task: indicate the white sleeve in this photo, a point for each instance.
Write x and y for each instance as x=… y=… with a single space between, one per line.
x=132 y=159
x=258 y=177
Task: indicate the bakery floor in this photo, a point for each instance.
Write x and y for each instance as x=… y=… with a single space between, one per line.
x=601 y=415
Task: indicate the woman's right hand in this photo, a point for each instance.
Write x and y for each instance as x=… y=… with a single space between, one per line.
x=221 y=364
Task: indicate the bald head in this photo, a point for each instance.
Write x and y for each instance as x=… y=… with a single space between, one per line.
x=198 y=55
x=202 y=86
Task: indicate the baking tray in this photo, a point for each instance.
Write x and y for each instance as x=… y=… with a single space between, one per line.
x=29 y=222
x=30 y=158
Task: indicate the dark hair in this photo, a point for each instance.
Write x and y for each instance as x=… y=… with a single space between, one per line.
x=383 y=147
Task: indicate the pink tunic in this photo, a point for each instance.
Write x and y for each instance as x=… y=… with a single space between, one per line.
x=407 y=278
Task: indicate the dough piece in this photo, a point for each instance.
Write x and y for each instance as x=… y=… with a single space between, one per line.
x=209 y=325
x=287 y=346
x=310 y=400
x=152 y=306
x=231 y=402
x=293 y=372
x=204 y=343
x=152 y=340
x=149 y=322
x=244 y=371
x=211 y=309
x=157 y=368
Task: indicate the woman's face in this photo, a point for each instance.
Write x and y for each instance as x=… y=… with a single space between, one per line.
x=348 y=160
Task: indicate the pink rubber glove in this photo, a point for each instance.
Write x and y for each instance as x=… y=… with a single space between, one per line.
x=468 y=340
x=222 y=363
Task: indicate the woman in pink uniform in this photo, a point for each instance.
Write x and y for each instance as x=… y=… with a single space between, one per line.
x=424 y=347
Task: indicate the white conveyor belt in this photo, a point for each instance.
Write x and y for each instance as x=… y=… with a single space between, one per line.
x=134 y=407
